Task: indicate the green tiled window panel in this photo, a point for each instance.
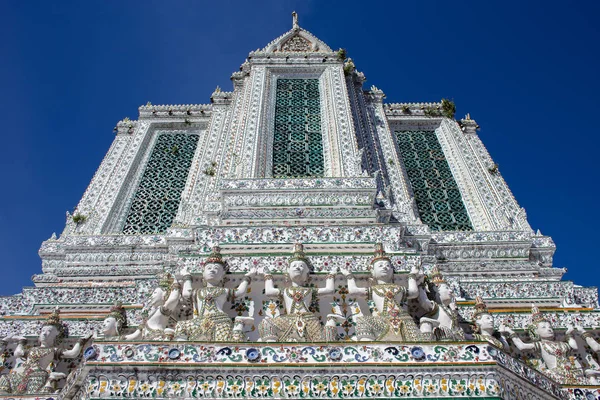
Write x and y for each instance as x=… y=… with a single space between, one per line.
x=436 y=193
x=297 y=138
x=157 y=197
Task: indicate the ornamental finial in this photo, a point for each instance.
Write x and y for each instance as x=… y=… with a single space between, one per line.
x=295 y=20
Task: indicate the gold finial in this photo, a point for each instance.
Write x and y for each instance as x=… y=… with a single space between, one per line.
x=295 y=20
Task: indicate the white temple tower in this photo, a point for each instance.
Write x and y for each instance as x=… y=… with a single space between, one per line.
x=300 y=152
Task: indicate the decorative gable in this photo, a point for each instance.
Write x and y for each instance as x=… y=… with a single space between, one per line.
x=297 y=40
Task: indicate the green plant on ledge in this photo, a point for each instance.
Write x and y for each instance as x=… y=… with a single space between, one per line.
x=211 y=171
x=79 y=218
x=341 y=54
x=448 y=108
x=348 y=69
x=175 y=150
x=493 y=169
x=406 y=109
x=432 y=112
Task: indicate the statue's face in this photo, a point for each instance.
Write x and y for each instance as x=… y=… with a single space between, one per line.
x=298 y=270
x=109 y=327
x=158 y=297
x=48 y=335
x=485 y=322
x=544 y=330
x=445 y=292
x=382 y=270
x=213 y=272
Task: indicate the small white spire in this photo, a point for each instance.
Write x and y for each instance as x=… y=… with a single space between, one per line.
x=295 y=20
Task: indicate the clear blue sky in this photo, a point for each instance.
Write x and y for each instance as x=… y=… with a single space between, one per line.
x=527 y=71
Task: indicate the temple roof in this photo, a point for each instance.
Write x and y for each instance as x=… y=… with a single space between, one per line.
x=297 y=40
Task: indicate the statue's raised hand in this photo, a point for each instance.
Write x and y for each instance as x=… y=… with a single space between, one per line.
x=417 y=273
x=252 y=272
x=183 y=272
x=346 y=272
x=505 y=329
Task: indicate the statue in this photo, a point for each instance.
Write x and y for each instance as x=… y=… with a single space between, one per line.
x=299 y=323
x=441 y=320
x=114 y=323
x=210 y=322
x=161 y=305
x=484 y=326
x=36 y=374
x=391 y=321
x=557 y=363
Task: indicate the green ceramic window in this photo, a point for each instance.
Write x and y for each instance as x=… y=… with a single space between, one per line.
x=297 y=137
x=438 y=199
x=157 y=197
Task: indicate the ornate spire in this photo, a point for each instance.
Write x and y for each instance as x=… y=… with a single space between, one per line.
x=295 y=20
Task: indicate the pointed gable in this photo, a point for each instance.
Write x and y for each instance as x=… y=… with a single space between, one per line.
x=297 y=40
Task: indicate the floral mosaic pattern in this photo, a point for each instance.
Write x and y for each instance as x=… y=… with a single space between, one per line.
x=287 y=385
x=124 y=353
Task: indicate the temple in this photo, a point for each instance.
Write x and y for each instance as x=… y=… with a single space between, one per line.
x=299 y=237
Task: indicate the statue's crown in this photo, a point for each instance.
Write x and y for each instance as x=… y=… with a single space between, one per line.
x=379 y=253
x=536 y=315
x=298 y=254
x=436 y=276
x=480 y=307
x=215 y=256
x=54 y=320
x=118 y=313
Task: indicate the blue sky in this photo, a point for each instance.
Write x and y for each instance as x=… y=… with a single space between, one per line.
x=526 y=71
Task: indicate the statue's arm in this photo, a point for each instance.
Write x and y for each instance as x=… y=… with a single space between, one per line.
x=353 y=289
x=570 y=339
x=20 y=351
x=413 y=290
x=424 y=301
x=270 y=289
x=173 y=299
x=329 y=284
x=76 y=350
x=135 y=335
x=186 y=290
x=241 y=289
x=589 y=339
x=592 y=343
x=519 y=344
